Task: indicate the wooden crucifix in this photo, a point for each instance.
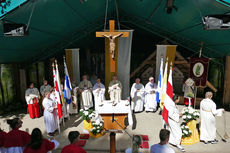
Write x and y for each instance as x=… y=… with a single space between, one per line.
x=112 y=35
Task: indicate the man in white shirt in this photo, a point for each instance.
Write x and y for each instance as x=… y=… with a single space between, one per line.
x=162 y=147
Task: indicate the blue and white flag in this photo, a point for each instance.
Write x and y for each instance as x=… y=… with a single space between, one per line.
x=159 y=84
x=67 y=86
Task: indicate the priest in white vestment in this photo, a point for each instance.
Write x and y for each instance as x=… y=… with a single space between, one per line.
x=115 y=89
x=85 y=88
x=138 y=96
x=174 y=125
x=50 y=114
x=150 y=96
x=208 y=112
x=32 y=97
x=99 y=93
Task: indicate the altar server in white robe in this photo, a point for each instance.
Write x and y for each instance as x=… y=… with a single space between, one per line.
x=115 y=89
x=208 y=112
x=50 y=114
x=174 y=125
x=85 y=88
x=137 y=95
x=32 y=97
x=99 y=93
x=150 y=96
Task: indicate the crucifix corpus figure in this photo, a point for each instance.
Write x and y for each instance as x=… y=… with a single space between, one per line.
x=112 y=35
x=112 y=43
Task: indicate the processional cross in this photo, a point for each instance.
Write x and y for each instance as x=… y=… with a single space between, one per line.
x=112 y=35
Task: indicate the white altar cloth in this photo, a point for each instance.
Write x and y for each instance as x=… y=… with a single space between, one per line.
x=120 y=108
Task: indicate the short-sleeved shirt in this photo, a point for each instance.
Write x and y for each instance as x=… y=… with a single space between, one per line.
x=72 y=148
x=158 y=148
x=45 y=147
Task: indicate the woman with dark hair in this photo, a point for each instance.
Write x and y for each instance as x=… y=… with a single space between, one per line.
x=38 y=144
x=174 y=126
x=16 y=140
x=135 y=145
x=2 y=138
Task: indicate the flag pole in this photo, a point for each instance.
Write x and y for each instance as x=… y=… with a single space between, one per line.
x=58 y=80
x=67 y=108
x=59 y=129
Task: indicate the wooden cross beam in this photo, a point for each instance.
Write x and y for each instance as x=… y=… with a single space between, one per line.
x=112 y=35
x=111 y=31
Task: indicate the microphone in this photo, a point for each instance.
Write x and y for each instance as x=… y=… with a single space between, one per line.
x=113 y=118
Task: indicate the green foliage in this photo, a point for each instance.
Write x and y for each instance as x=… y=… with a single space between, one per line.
x=185 y=130
x=97 y=128
x=189 y=114
x=7 y=82
x=87 y=114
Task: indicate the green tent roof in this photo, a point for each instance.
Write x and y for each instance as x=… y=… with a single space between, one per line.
x=56 y=25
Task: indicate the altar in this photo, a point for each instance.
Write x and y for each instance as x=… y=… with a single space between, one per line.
x=120 y=109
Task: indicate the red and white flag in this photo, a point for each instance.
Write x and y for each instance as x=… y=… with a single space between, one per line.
x=169 y=97
x=57 y=93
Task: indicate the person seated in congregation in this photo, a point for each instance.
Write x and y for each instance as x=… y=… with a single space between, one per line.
x=38 y=144
x=115 y=90
x=208 y=112
x=150 y=96
x=99 y=93
x=32 y=97
x=136 y=143
x=174 y=125
x=50 y=114
x=137 y=95
x=72 y=147
x=2 y=138
x=162 y=147
x=16 y=140
x=85 y=88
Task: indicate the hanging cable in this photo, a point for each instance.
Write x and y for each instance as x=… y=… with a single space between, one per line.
x=28 y=24
x=118 y=23
x=106 y=11
x=155 y=10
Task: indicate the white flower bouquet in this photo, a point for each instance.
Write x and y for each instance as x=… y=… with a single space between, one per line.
x=87 y=114
x=185 y=131
x=189 y=114
x=97 y=128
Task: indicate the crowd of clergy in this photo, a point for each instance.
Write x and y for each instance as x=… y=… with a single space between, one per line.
x=142 y=97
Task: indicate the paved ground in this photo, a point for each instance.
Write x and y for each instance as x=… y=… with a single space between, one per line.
x=147 y=123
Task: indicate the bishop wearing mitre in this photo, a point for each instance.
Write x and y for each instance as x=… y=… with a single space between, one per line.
x=32 y=97
x=85 y=88
x=115 y=89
